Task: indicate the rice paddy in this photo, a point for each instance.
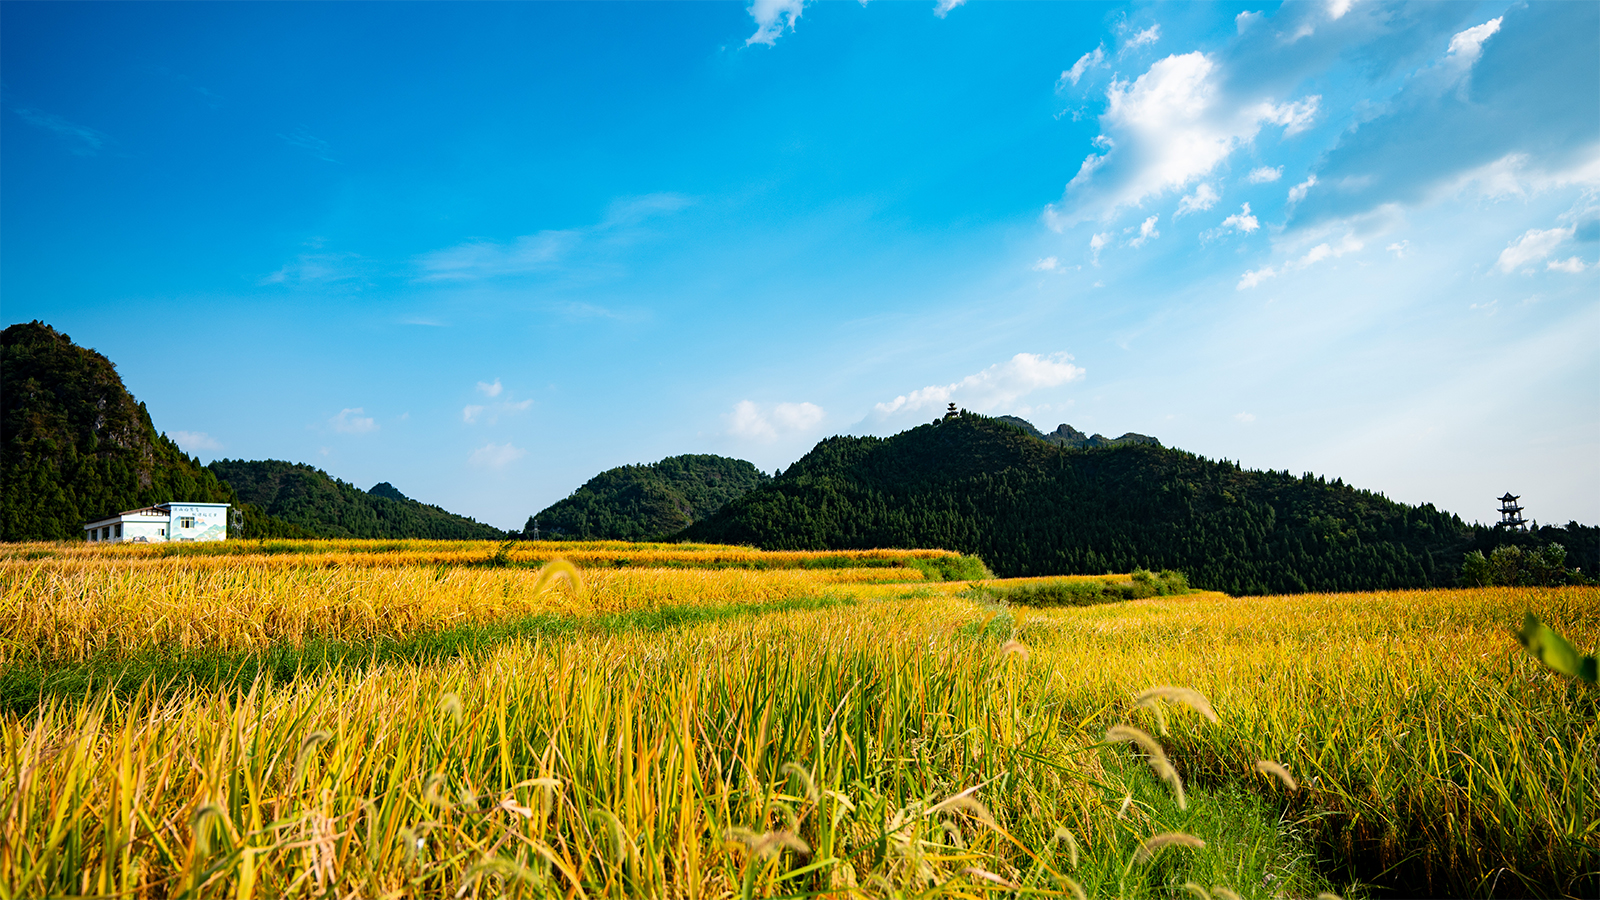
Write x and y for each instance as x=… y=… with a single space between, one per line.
x=426 y=723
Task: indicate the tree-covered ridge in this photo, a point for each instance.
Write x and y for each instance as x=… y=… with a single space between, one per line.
x=634 y=503
x=77 y=446
x=323 y=506
x=1027 y=507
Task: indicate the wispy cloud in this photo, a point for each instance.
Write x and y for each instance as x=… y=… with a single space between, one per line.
x=1147 y=232
x=192 y=441
x=1094 y=59
x=1298 y=192
x=753 y=421
x=496 y=456
x=772 y=17
x=1326 y=250
x=81 y=139
x=545 y=251
x=1264 y=174
x=315 y=269
x=353 y=420
x=1204 y=197
x=1048 y=264
x=310 y=143
x=1143 y=38
x=942 y=7
x=994 y=389
x=490 y=413
x=1533 y=247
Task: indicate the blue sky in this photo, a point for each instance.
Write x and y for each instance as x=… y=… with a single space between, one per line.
x=484 y=251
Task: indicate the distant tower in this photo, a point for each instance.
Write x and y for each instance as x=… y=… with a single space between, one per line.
x=1511 y=513
x=535 y=535
x=951 y=413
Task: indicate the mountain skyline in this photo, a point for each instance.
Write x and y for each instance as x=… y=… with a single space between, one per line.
x=488 y=251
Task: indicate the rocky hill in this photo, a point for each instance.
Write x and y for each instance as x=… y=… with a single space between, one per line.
x=76 y=445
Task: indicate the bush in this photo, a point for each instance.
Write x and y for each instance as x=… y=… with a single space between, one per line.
x=1512 y=566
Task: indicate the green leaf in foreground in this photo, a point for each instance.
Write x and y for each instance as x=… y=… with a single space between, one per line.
x=1554 y=650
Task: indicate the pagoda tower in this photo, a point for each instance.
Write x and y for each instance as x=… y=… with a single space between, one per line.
x=1511 y=513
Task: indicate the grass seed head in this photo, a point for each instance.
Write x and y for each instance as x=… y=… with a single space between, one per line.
x=1063 y=836
x=1221 y=893
x=1154 y=845
x=1195 y=889
x=1073 y=888
x=1015 y=648
x=1277 y=770
x=804 y=776
x=450 y=705
x=308 y=747
x=1158 y=758
x=992 y=878
x=1186 y=696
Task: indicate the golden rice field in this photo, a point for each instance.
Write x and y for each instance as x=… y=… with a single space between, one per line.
x=774 y=731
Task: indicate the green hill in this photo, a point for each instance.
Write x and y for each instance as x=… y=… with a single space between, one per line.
x=326 y=507
x=1031 y=507
x=77 y=446
x=632 y=503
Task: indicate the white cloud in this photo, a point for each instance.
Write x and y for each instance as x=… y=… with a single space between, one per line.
x=1243 y=21
x=1337 y=8
x=1298 y=192
x=470 y=414
x=1148 y=36
x=192 y=441
x=353 y=421
x=1254 y=277
x=1169 y=127
x=1348 y=244
x=1294 y=117
x=1398 y=248
x=496 y=456
x=1572 y=265
x=943 y=7
x=1244 y=417
x=1096 y=243
x=995 y=389
x=1091 y=60
x=1242 y=220
x=490 y=390
x=1532 y=247
x=772 y=17
x=1264 y=174
x=1203 y=198
x=1147 y=231
x=749 y=420
x=1048 y=264
x=1469 y=43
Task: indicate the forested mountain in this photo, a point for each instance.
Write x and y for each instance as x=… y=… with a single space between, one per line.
x=78 y=446
x=1029 y=507
x=326 y=507
x=1067 y=436
x=633 y=503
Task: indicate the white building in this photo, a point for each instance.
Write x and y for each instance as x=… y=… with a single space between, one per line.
x=163 y=522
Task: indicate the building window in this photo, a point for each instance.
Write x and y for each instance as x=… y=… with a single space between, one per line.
x=118 y=532
x=163 y=532
x=186 y=521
